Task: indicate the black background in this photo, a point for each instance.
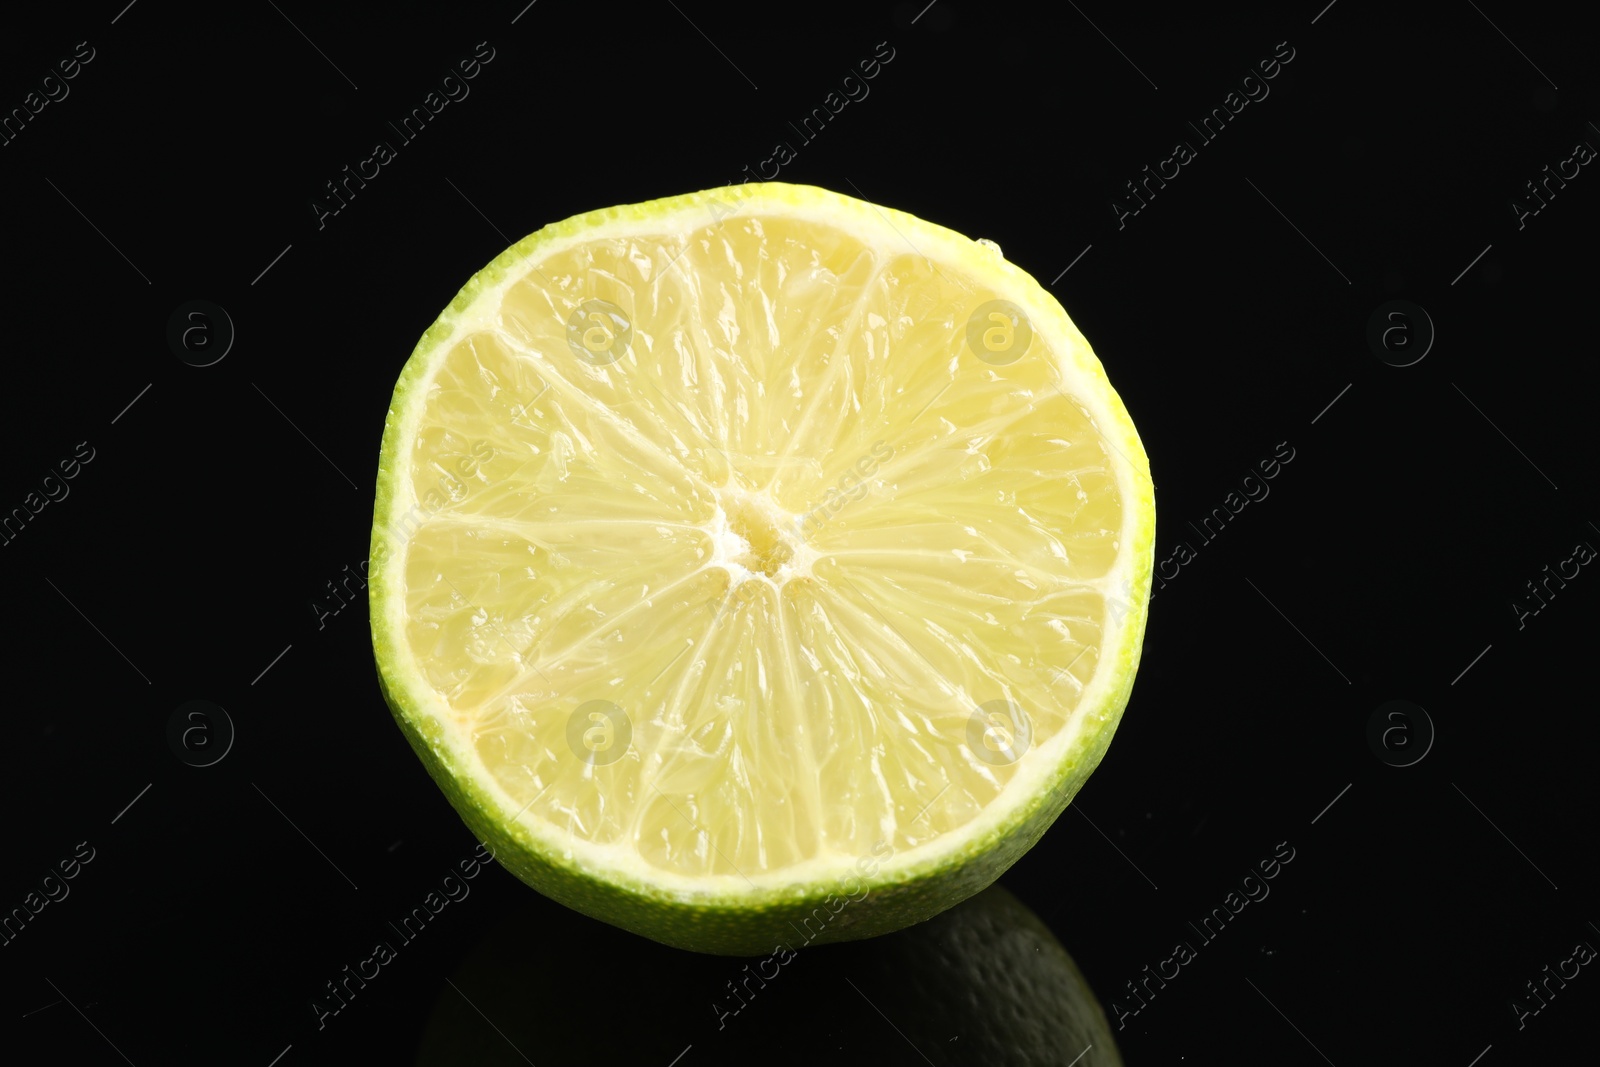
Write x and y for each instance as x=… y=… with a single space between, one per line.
x=1231 y=314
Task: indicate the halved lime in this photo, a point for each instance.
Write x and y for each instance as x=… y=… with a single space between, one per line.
x=755 y=560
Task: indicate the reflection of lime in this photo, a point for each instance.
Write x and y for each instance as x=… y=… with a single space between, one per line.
x=729 y=464
x=984 y=983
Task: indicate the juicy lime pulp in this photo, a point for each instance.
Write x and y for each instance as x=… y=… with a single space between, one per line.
x=758 y=548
